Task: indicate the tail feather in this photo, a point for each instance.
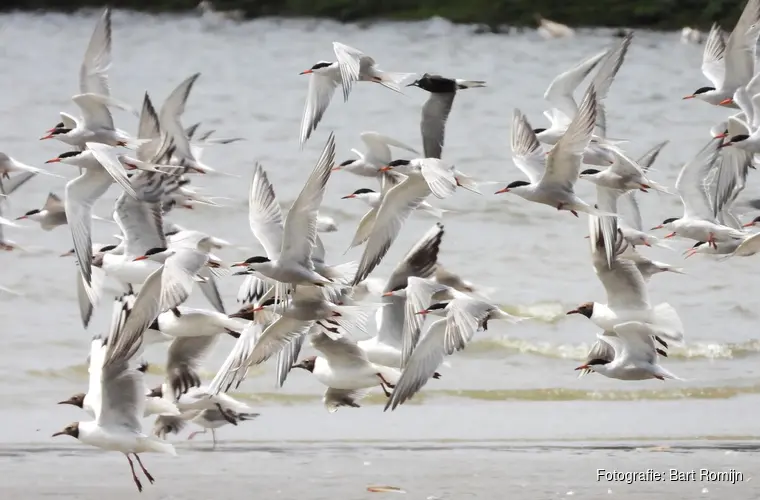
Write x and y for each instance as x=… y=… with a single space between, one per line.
x=355 y=317
x=242 y=417
x=160 y=406
x=342 y=273
x=393 y=81
x=470 y=84
x=667 y=323
x=159 y=445
x=662 y=372
x=430 y=209
x=466 y=182
x=659 y=187
x=591 y=211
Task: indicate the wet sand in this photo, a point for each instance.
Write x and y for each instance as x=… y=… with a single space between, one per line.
x=316 y=471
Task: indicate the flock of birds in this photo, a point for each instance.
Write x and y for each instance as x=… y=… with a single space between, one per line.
x=295 y=292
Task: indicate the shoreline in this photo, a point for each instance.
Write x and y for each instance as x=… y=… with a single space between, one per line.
x=486 y=14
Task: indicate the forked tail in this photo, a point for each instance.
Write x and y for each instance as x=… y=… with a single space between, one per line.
x=392 y=81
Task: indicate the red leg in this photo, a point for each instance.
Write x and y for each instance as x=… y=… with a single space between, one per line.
x=134 y=476
x=145 y=471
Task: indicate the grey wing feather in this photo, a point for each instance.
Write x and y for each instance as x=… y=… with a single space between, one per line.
x=81 y=194
x=123 y=393
x=421 y=366
x=167 y=424
x=435 y=113
x=183 y=361
x=210 y=289
x=287 y=358
x=93 y=76
x=16 y=181
x=251 y=290
x=336 y=398
x=648 y=158
x=341 y=351
x=420 y=260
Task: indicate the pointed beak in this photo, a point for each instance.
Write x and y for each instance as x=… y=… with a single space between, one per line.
x=62 y=433
x=657 y=227
x=585 y=367
x=647 y=243
x=49 y=136
x=574 y=311
x=505 y=190
x=423 y=312
x=721 y=135
x=690 y=252
x=67 y=402
x=142 y=257
x=748 y=224
x=335 y=169
x=388 y=294
x=66 y=254
x=21 y=218
x=726 y=101
x=413 y=84
x=307 y=72
x=298 y=365
x=349 y=196
x=239 y=264
x=689 y=97
x=52 y=160
x=670 y=235
x=258 y=308
x=385 y=168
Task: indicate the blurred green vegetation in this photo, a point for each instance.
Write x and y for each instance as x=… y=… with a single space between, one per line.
x=655 y=14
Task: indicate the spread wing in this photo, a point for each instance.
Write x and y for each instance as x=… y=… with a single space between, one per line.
x=378 y=150
x=527 y=153
x=321 y=89
x=93 y=74
x=422 y=365
x=264 y=213
x=183 y=361
x=339 y=352
x=560 y=90
x=81 y=194
x=394 y=209
x=625 y=286
x=564 y=160
x=95 y=113
x=350 y=61
x=691 y=184
x=435 y=112
x=713 y=57
x=300 y=229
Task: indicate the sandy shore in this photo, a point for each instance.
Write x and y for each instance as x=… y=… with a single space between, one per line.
x=315 y=471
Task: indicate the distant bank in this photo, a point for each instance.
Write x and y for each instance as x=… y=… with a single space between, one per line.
x=654 y=14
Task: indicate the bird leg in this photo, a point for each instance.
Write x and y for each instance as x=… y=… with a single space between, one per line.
x=193 y=434
x=385 y=381
x=134 y=476
x=711 y=241
x=562 y=205
x=213 y=439
x=385 y=390
x=145 y=471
